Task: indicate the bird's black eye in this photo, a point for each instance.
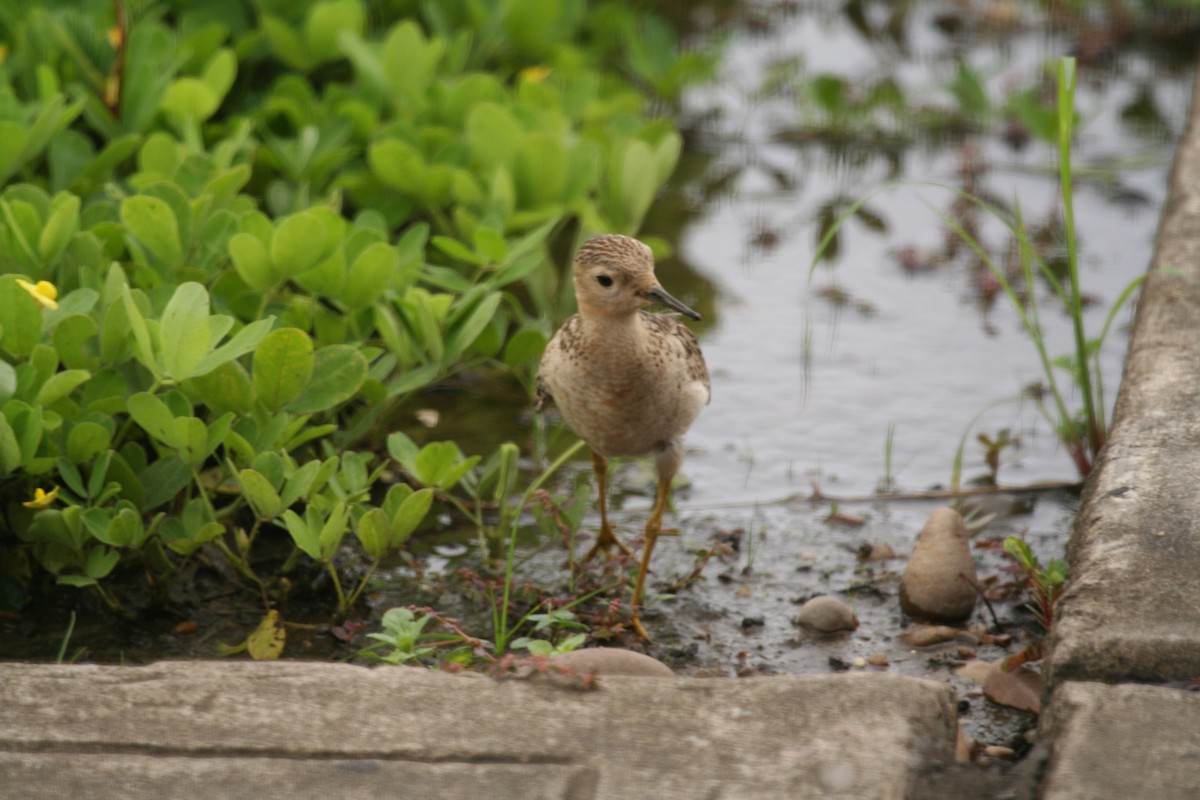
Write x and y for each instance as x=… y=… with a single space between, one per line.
x=604 y=280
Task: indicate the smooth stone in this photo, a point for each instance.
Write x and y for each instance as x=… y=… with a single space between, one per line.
x=933 y=585
x=928 y=635
x=826 y=614
x=612 y=661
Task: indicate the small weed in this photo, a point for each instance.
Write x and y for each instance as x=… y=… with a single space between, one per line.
x=1045 y=583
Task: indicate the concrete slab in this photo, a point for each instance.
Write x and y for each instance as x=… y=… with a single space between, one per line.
x=239 y=729
x=1131 y=611
x=1117 y=742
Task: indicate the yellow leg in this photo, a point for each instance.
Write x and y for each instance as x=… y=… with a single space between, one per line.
x=653 y=530
x=605 y=540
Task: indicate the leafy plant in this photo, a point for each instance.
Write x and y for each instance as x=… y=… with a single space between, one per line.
x=1045 y=583
x=233 y=238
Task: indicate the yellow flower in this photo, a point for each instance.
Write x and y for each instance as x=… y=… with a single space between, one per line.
x=43 y=291
x=42 y=498
x=535 y=74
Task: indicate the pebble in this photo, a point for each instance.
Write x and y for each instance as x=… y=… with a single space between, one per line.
x=999 y=751
x=859 y=662
x=881 y=551
x=927 y=635
x=932 y=586
x=612 y=661
x=877 y=659
x=826 y=614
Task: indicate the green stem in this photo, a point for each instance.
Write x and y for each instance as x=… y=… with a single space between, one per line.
x=500 y=615
x=337 y=585
x=1066 y=116
x=362 y=584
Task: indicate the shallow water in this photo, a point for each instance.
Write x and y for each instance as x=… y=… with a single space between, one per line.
x=805 y=389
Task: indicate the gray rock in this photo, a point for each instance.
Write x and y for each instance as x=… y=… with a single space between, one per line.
x=612 y=661
x=316 y=730
x=937 y=583
x=1111 y=742
x=826 y=614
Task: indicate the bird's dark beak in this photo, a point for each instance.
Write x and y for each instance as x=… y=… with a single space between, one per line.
x=657 y=294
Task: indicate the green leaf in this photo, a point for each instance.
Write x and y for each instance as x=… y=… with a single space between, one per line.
x=86 y=440
x=338 y=373
x=525 y=347
x=397 y=165
x=493 y=136
x=300 y=482
x=194 y=435
x=326 y=23
x=283 y=365
x=70 y=338
x=21 y=319
x=59 y=228
x=261 y=495
x=191 y=98
x=369 y=276
x=285 y=43
x=410 y=514
x=244 y=341
x=153 y=223
x=490 y=243
x=404 y=451
x=332 y=531
x=373 y=532
x=97 y=480
x=298 y=244
x=457 y=250
x=164 y=480
x=141 y=334
x=467 y=330
x=10 y=449
x=185 y=331
x=226 y=388
x=307 y=539
x=8 y=381
x=60 y=385
x=155 y=418
x=101 y=561
x=251 y=261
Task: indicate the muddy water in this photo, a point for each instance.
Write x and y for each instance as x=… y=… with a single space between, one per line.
x=805 y=389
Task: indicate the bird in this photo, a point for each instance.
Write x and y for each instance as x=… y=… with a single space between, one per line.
x=629 y=382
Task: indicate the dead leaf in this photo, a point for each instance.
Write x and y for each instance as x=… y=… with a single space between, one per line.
x=266 y=643
x=1020 y=688
x=974 y=670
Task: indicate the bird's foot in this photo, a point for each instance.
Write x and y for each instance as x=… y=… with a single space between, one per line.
x=638 y=628
x=605 y=542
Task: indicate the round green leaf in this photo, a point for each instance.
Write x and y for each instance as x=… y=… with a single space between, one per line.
x=260 y=494
x=298 y=244
x=339 y=371
x=59 y=228
x=185 y=332
x=153 y=223
x=251 y=261
x=86 y=440
x=283 y=365
x=369 y=276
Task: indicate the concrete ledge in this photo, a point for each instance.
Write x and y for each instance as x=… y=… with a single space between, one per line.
x=1118 y=742
x=251 y=730
x=1131 y=611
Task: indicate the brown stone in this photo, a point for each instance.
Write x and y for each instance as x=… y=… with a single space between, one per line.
x=938 y=582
